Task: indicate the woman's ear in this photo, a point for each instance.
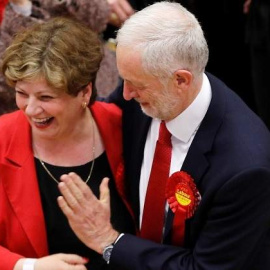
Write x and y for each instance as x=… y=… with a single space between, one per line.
x=87 y=92
x=182 y=79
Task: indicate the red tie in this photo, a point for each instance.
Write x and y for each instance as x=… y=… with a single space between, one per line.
x=154 y=206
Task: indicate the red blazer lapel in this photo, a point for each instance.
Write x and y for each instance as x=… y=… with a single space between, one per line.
x=109 y=121
x=21 y=186
x=23 y=195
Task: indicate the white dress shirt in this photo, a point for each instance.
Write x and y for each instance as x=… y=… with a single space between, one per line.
x=183 y=129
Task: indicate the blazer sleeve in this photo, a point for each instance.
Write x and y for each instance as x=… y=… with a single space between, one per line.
x=8 y=259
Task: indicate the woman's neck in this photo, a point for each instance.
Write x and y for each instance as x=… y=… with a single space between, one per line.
x=76 y=148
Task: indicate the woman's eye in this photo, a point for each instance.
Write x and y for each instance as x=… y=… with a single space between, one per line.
x=46 y=97
x=21 y=93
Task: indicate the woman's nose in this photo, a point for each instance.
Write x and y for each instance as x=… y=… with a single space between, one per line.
x=32 y=107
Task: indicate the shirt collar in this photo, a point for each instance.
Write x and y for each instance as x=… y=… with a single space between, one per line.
x=187 y=123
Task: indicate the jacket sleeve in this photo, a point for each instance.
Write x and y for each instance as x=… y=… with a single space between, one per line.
x=235 y=234
x=8 y=259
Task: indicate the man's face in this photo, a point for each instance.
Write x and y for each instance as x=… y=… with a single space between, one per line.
x=155 y=99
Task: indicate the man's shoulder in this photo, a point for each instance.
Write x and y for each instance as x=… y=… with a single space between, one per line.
x=234 y=129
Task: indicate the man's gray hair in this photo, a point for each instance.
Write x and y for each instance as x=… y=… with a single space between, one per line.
x=169 y=38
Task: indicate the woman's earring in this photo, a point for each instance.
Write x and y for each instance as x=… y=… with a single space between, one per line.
x=84 y=105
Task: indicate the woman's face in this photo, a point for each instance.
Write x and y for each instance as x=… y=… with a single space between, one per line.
x=52 y=114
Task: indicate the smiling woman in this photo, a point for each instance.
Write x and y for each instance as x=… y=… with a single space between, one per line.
x=59 y=129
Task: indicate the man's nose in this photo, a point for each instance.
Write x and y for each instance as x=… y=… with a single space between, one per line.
x=129 y=92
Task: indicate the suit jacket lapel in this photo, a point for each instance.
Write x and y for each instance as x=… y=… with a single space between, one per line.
x=22 y=188
x=136 y=125
x=196 y=163
x=196 y=160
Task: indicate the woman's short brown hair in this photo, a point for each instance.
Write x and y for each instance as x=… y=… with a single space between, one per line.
x=63 y=51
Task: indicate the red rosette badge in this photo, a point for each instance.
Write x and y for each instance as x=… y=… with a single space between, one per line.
x=183 y=198
x=182 y=194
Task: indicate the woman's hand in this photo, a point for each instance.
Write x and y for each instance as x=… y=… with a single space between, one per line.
x=57 y=262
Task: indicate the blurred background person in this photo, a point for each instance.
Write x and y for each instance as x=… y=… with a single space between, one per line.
x=96 y=14
x=58 y=129
x=258 y=39
x=224 y=25
x=2 y=8
x=18 y=15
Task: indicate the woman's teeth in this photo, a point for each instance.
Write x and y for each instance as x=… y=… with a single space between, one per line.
x=42 y=121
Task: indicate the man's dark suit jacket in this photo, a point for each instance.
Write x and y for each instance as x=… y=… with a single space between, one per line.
x=229 y=160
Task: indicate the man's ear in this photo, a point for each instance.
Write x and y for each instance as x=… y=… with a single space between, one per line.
x=182 y=79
